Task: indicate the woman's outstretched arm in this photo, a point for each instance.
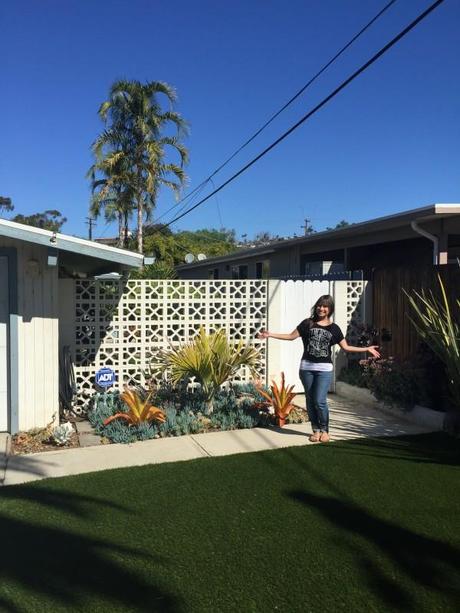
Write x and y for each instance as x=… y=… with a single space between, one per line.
x=351 y=349
x=282 y=337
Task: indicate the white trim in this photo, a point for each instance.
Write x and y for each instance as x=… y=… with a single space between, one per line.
x=65 y=242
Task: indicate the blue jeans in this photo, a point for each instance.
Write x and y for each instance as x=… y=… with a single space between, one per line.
x=316 y=385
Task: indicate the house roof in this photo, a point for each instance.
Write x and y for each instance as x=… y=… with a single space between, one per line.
x=321 y=241
x=71 y=244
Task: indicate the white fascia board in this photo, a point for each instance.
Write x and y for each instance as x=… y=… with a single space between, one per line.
x=64 y=242
x=447 y=208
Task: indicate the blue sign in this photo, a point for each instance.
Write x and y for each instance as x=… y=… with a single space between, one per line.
x=105 y=377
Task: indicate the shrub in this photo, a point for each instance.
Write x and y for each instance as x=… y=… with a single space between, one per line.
x=211 y=359
x=235 y=407
x=392 y=381
x=403 y=383
x=353 y=374
x=233 y=419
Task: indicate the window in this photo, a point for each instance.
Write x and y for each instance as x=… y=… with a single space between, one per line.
x=240 y=272
x=263 y=270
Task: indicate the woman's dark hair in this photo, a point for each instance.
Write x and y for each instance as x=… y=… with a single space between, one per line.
x=327 y=301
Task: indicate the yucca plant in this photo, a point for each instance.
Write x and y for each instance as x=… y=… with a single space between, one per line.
x=211 y=359
x=280 y=399
x=140 y=410
x=434 y=322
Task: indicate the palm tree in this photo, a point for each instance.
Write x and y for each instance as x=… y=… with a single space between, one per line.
x=116 y=207
x=113 y=195
x=5 y=204
x=131 y=152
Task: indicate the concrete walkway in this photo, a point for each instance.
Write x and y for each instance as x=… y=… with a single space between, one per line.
x=348 y=420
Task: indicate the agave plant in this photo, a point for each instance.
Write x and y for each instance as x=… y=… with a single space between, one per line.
x=211 y=359
x=434 y=322
x=280 y=399
x=140 y=410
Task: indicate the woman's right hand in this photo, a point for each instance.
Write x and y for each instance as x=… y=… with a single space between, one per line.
x=263 y=334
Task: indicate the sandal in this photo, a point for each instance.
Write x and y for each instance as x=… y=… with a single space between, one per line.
x=315 y=437
x=324 y=437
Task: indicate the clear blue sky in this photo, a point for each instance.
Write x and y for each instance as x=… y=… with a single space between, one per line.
x=389 y=142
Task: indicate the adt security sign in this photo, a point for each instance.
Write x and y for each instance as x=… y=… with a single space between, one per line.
x=105 y=377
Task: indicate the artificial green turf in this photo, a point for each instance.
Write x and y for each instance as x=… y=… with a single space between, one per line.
x=368 y=525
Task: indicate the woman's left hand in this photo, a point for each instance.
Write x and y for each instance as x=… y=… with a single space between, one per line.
x=373 y=351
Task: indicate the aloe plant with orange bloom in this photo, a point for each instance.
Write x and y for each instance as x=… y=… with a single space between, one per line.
x=140 y=410
x=280 y=399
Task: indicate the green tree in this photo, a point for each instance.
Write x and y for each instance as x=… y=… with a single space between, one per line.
x=5 y=204
x=264 y=238
x=157 y=270
x=172 y=247
x=211 y=242
x=341 y=224
x=48 y=220
x=131 y=153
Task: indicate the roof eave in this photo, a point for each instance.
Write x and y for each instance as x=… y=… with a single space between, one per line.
x=387 y=222
x=64 y=242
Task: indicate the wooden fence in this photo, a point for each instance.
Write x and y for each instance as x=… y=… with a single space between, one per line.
x=391 y=307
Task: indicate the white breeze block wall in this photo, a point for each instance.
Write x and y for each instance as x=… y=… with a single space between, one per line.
x=124 y=325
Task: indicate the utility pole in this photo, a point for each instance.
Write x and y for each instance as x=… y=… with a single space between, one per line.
x=90 y=222
x=307 y=228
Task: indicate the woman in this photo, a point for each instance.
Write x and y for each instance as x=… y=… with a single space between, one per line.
x=319 y=334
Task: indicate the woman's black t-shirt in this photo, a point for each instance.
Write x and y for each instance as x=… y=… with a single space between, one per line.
x=318 y=340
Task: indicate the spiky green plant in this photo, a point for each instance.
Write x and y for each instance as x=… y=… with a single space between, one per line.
x=436 y=325
x=211 y=359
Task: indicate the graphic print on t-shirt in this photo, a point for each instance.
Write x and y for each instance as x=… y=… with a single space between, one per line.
x=318 y=343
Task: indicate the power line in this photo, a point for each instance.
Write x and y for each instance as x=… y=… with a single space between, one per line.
x=284 y=107
x=193 y=193
x=332 y=95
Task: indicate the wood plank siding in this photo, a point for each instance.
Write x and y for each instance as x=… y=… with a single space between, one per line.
x=37 y=342
x=391 y=307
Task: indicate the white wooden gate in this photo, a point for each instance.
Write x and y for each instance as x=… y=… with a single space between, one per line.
x=290 y=302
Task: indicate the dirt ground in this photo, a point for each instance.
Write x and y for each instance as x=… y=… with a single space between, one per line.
x=35 y=441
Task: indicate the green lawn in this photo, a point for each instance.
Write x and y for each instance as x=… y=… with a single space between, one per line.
x=359 y=526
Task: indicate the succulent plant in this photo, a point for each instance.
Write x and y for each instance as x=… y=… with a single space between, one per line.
x=61 y=434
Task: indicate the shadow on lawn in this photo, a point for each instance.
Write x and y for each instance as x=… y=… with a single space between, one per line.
x=424 y=560
x=432 y=448
x=71 y=568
